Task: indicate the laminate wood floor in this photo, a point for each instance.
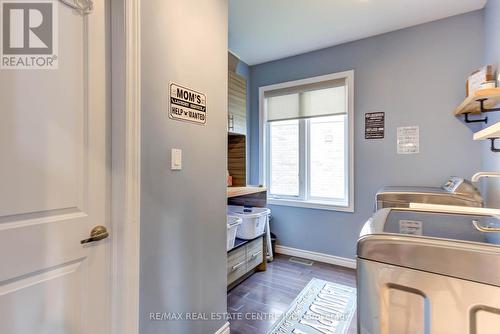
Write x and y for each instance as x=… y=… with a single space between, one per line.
x=255 y=304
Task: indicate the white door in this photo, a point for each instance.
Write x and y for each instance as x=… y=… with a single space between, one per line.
x=53 y=185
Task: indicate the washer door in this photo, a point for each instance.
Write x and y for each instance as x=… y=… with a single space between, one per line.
x=393 y=299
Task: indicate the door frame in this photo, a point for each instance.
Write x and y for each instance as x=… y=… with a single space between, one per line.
x=125 y=173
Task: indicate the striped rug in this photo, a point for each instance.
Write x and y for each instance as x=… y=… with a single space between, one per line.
x=322 y=307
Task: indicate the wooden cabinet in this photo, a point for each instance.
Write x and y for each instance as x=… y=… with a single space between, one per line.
x=236 y=264
x=244 y=259
x=236 y=123
x=255 y=253
x=247 y=256
x=237 y=104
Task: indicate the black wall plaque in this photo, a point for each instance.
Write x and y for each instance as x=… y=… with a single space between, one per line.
x=374 y=125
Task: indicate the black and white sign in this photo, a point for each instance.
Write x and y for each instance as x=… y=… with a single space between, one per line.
x=408 y=140
x=187 y=105
x=374 y=125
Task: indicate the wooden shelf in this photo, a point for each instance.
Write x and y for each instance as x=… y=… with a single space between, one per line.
x=488 y=133
x=236 y=159
x=242 y=191
x=471 y=105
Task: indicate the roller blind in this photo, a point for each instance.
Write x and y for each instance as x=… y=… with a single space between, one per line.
x=326 y=98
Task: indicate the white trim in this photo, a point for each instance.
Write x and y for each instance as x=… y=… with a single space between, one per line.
x=309 y=204
x=262 y=135
x=320 y=257
x=224 y=329
x=349 y=76
x=125 y=197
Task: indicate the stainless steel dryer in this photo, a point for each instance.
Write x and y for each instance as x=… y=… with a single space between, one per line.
x=455 y=191
x=428 y=272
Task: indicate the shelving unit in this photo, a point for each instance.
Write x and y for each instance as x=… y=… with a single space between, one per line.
x=236 y=159
x=491 y=133
x=483 y=101
x=246 y=257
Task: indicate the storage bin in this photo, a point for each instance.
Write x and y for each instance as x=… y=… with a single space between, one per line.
x=232 y=226
x=253 y=221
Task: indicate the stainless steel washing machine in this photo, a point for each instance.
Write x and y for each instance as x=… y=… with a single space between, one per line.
x=455 y=191
x=428 y=272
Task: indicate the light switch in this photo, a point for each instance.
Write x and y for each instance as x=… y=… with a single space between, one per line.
x=176 y=159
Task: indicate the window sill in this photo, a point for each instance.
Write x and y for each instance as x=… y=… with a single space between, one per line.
x=311 y=205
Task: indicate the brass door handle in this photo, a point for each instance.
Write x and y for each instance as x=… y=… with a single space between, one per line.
x=481 y=228
x=98 y=233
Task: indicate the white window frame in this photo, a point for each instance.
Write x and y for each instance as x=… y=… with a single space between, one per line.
x=263 y=144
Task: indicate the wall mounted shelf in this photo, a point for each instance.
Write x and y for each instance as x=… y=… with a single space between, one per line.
x=491 y=133
x=242 y=191
x=483 y=100
x=488 y=133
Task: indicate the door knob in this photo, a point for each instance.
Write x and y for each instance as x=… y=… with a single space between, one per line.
x=98 y=233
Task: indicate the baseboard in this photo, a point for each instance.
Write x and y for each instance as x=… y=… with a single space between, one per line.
x=320 y=257
x=224 y=329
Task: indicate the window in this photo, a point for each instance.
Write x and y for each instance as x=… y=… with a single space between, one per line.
x=307 y=137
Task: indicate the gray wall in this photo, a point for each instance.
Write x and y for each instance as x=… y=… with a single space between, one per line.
x=417 y=77
x=491 y=161
x=183 y=228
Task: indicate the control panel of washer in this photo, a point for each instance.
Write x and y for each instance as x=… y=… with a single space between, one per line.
x=457 y=184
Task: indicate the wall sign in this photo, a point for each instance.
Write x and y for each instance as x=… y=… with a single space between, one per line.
x=374 y=125
x=187 y=105
x=408 y=140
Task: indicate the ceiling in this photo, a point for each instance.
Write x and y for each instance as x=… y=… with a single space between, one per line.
x=265 y=30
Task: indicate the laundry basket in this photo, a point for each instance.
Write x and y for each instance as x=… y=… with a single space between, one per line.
x=254 y=221
x=232 y=226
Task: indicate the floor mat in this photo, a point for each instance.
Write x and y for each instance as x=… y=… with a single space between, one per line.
x=321 y=307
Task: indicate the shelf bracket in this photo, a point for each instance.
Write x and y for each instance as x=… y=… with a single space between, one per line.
x=483 y=109
x=468 y=120
x=493 y=147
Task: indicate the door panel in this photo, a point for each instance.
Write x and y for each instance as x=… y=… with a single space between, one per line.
x=54 y=298
x=53 y=143
x=44 y=128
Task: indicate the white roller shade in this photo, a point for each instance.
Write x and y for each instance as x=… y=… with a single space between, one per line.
x=321 y=99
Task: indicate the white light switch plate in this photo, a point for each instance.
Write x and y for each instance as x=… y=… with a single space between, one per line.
x=176 y=159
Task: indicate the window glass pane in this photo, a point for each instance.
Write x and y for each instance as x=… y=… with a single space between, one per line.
x=327 y=157
x=284 y=153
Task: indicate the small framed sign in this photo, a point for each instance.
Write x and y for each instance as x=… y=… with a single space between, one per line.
x=375 y=125
x=408 y=140
x=187 y=105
